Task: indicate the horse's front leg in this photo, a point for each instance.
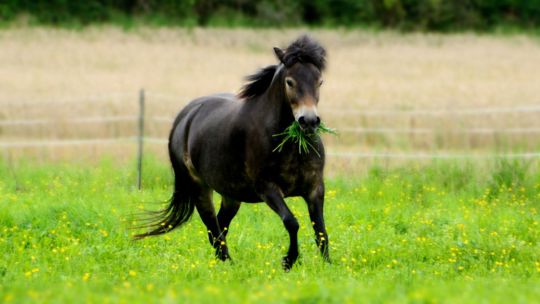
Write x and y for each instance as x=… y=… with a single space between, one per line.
x=315 y=202
x=273 y=197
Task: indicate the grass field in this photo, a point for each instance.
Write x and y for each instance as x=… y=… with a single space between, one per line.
x=446 y=232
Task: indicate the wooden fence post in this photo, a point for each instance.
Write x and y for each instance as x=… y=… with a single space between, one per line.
x=140 y=139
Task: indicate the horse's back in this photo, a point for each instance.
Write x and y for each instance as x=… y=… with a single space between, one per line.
x=204 y=121
x=212 y=111
x=220 y=99
x=212 y=103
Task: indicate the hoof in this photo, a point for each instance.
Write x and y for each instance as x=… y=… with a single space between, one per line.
x=327 y=259
x=223 y=256
x=287 y=263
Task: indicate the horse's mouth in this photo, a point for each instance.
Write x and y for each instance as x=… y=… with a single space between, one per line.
x=309 y=130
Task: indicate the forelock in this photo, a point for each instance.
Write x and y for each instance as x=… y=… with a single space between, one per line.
x=305 y=50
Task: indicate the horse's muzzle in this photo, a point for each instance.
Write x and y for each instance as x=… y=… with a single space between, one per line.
x=309 y=123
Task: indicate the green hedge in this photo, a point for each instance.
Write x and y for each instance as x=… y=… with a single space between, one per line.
x=432 y=15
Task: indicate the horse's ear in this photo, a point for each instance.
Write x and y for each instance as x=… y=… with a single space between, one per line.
x=279 y=53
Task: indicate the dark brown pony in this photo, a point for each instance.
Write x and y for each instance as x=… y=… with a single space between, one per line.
x=225 y=143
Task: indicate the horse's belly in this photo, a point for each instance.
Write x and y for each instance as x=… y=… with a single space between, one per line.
x=243 y=194
x=228 y=180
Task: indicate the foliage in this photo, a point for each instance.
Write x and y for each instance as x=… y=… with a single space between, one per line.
x=297 y=136
x=433 y=15
x=431 y=233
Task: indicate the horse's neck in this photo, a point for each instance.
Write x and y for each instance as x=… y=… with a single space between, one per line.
x=274 y=106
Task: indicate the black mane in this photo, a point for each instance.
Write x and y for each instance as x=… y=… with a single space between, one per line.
x=305 y=50
x=258 y=83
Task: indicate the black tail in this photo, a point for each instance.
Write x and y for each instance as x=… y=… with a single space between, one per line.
x=181 y=206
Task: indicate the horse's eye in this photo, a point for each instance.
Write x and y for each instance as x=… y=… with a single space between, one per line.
x=321 y=82
x=289 y=82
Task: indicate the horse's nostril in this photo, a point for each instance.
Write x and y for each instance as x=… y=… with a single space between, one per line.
x=302 y=121
x=318 y=121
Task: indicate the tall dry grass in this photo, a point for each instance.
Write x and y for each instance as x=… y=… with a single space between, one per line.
x=98 y=71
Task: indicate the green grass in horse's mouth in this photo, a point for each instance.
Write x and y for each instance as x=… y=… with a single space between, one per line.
x=295 y=134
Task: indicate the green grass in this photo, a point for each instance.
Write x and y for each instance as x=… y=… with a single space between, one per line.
x=441 y=233
x=305 y=141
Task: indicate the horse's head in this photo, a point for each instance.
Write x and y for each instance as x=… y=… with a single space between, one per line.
x=303 y=62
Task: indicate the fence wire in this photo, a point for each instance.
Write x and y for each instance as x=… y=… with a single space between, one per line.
x=339 y=112
x=331 y=153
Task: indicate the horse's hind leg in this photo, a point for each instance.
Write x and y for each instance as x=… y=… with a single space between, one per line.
x=206 y=210
x=228 y=210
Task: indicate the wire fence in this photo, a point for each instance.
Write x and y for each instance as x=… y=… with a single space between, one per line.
x=447 y=112
x=74 y=120
x=141 y=118
x=168 y=120
x=365 y=155
x=66 y=142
